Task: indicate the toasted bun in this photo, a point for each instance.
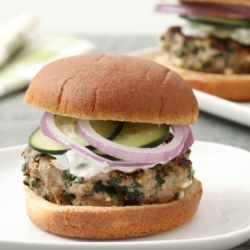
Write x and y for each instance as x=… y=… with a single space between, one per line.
x=113 y=87
x=230 y=87
x=237 y=2
x=112 y=222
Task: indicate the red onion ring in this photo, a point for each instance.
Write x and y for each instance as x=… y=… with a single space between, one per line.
x=211 y=9
x=50 y=130
x=189 y=140
x=162 y=153
x=228 y=8
x=182 y=140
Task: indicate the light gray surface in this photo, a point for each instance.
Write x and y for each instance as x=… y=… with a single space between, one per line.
x=17 y=120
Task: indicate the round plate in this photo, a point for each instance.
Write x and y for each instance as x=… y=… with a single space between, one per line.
x=222 y=220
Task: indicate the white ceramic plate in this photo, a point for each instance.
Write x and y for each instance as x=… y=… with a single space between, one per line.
x=233 y=111
x=222 y=220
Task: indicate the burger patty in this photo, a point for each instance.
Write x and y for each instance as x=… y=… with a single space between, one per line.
x=209 y=55
x=159 y=184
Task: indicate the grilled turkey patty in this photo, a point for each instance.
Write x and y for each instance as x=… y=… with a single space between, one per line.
x=160 y=184
x=210 y=54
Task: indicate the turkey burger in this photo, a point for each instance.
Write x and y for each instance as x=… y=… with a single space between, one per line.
x=111 y=156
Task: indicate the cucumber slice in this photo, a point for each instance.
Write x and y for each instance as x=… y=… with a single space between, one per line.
x=43 y=144
x=107 y=129
x=217 y=21
x=142 y=135
x=67 y=125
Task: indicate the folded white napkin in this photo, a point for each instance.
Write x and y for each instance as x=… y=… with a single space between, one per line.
x=13 y=35
x=17 y=73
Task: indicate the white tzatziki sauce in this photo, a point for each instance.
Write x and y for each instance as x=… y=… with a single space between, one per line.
x=241 y=35
x=83 y=166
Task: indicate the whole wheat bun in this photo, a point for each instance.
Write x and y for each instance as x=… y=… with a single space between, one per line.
x=113 y=87
x=230 y=87
x=237 y=2
x=112 y=222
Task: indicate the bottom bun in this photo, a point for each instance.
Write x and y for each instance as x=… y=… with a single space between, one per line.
x=230 y=87
x=112 y=222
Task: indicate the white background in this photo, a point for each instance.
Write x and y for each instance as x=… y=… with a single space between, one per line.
x=103 y=17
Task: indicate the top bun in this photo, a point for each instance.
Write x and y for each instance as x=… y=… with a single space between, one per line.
x=237 y=2
x=113 y=87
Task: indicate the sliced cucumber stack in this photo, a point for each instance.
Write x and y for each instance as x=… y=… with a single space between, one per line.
x=141 y=135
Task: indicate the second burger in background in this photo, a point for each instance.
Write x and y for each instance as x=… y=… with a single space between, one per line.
x=212 y=49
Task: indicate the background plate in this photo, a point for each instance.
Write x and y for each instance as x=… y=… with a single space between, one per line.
x=222 y=220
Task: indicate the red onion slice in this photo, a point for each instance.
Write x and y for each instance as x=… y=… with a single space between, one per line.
x=49 y=129
x=189 y=140
x=211 y=9
x=227 y=8
x=162 y=153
